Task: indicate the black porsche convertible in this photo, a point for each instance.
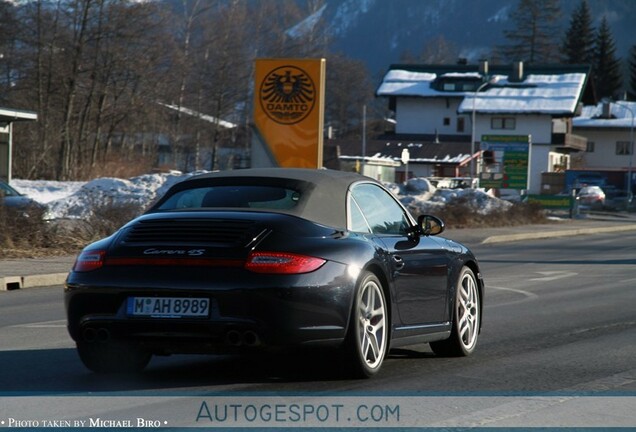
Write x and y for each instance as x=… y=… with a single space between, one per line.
x=248 y=260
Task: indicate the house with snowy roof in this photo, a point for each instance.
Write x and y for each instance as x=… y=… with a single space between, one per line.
x=444 y=159
x=455 y=105
x=609 y=129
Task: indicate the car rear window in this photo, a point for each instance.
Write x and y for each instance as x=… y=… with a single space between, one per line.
x=243 y=196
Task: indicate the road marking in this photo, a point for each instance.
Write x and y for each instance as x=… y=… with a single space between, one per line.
x=43 y=324
x=554 y=275
x=527 y=295
x=609 y=383
x=518 y=291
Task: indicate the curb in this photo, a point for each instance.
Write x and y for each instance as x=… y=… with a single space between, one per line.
x=561 y=233
x=10 y=283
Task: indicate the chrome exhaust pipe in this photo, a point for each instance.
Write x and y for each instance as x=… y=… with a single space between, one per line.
x=89 y=334
x=251 y=339
x=233 y=337
x=103 y=335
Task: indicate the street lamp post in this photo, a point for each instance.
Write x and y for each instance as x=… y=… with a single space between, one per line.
x=472 y=136
x=631 y=150
x=364 y=138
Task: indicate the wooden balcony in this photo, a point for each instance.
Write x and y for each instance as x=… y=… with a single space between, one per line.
x=569 y=143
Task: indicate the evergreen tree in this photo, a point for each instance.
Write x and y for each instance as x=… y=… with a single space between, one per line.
x=631 y=91
x=607 y=68
x=533 y=39
x=578 y=45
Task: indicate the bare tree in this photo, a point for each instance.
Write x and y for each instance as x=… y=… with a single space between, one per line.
x=40 y=34
x=535 y=36
x=8 y=40
x=349 y=88
x=90 y=70
x=220 y=76
x=100 y=73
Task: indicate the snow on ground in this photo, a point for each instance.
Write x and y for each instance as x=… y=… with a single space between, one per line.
x=45 y=191
x=76 y=200
x=420 y=196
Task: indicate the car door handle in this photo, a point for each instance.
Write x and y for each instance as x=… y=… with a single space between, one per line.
x=398 y=262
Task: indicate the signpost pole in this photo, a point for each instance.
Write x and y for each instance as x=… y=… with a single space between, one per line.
x=406 y=156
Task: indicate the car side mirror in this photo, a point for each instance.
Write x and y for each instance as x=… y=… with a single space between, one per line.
x=430 y=225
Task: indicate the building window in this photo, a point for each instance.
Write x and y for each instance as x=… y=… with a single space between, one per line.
x=503 y=123
x=623 y=148
x=460 y=124
x=590 y=147
x=446 y=121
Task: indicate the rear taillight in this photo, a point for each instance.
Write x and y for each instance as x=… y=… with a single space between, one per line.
x=282 y=263
x=89 y=260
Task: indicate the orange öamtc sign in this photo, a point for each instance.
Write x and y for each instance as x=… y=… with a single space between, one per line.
x=288 y=95
x=289 y=111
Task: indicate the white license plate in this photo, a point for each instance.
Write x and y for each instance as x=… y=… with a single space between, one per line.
x=168 y=307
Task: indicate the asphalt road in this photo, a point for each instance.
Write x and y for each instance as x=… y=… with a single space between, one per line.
x=559 y=319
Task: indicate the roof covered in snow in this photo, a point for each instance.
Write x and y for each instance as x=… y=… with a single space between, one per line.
x=621 y=116
x=552 y=90
x=204 y=117
x=420 y=151
x=11 y=115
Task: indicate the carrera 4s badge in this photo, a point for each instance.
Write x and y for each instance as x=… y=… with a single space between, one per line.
x=190 y=252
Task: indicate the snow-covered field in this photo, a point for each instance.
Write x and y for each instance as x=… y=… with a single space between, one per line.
x=73 y=200
x=76 y=200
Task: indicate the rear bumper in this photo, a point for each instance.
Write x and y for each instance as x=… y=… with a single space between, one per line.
x=248 y=311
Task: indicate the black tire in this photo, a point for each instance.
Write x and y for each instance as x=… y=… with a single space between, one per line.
x=368 y=338
x=466 y=319
x=113 y=356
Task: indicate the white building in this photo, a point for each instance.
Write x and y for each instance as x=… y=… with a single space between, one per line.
x=437 y=104
x=609 y=129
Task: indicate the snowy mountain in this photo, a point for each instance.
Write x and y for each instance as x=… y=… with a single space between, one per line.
x=379 y=32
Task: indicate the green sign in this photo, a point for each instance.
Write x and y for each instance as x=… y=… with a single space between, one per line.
x=555 y=202
x=505 y=161
x=514 y=139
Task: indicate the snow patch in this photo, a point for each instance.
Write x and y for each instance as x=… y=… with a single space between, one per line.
x=78 y=200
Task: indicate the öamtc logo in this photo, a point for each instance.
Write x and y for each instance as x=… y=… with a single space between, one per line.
x=287 y=95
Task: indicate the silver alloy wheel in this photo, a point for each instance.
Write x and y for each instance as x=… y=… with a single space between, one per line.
x=467 y=310
x=372 y=324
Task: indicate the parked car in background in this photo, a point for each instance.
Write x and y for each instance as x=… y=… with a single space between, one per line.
x=456 y=183
x=592 y=197
x=10 y=197
x=618 y=200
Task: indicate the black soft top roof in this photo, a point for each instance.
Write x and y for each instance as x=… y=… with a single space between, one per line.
x=323 y=192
